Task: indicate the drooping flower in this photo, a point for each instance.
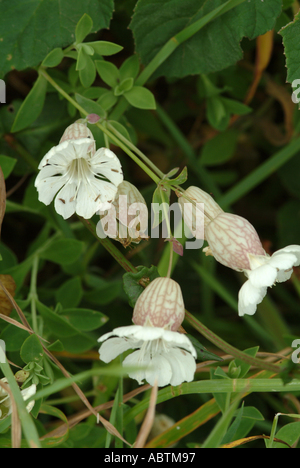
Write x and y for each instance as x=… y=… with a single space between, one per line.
x=264 y=272
x=5 y=401
x=85 y=180
x=162 y=352
x=234 y=242
x=127 y=220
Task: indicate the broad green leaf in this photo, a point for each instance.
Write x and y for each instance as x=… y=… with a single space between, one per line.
x=140 y=97
x=107 y=100
x=7 y=164
x=83 y=28
x=289 y=433
x=32 y=105
x=214 y=47
x=53 y=58
x=40 y=26
x=62 y=251
x=104 y=47
x=290 y=34
x=70 y=293
x=85 y=319
x=90 y=106
x=31 y=350
x=108 y=72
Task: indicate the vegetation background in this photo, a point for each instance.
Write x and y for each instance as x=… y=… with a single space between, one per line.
x=208 y=88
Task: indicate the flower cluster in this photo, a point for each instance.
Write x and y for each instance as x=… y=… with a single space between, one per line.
x=234 y=242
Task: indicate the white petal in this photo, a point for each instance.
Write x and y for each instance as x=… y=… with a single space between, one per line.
x=180 y=340
x=48 y=188
x=294 y=249
x=249 y=297
x=65 y=203
x=183 y=366
x=105 y=163
x=139 y=360
x=159 y=369
x=262 y=276
x=283 y=260
x=111 y=348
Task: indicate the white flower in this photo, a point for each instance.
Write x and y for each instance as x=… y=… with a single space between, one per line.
x=264 y=272
x=164 y=355
x=5 y=402
x=84 y=180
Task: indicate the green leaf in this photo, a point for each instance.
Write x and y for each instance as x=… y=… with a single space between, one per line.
x=202 y=353
x=214 y=47
x=133 y=282
x=83 y=28
x=32 y=105
x=289 y=433
x=105 y=47
x=180 y=179
x=140 y=97
x=219 y=149
x=130 y=67
x=87 y=75
x=41 y=26
x=7 y=164
x=108 y=72
x=31 y=350
x=70 y=293
x=62 y=251
x=123 y=87
x=53 y=58
x=290 y=34
x=90 y=106
x=85 y=319
x=160 y=204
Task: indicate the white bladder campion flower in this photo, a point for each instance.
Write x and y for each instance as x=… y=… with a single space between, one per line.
x=84 y=180
x=234 y=242
x=161 y=353
x=5 y=401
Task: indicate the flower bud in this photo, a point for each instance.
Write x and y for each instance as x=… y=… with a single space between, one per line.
x=231 y=240
x=160 y=305
x=5 y=304
x=130 y=209
x=195 y=216
x=76 y=131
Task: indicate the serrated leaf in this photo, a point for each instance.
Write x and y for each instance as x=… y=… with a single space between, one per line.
x=32 y=105
x=140 y=97
x=40 y=26
x=290 y=34
x=214 y=47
